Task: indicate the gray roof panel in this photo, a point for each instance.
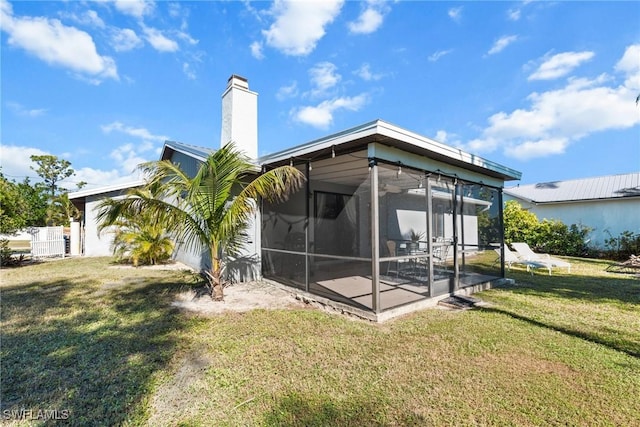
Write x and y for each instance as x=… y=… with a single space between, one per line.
x=596 y=188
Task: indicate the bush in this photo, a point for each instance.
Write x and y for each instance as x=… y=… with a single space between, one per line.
x=623 y=246
x=520 y=225
x=6 y=255
x=549 y=236
x=554 y=237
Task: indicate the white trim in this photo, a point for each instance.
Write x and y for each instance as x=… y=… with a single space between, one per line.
x=106 y=189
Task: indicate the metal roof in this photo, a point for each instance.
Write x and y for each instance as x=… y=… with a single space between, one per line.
x=597 y=188
x=200 y=153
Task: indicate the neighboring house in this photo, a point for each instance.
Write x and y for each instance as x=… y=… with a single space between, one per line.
x=607 y=204
x=94 y=243
x=345 y=237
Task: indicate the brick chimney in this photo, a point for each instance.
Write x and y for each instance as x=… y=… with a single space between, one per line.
x=240 y=116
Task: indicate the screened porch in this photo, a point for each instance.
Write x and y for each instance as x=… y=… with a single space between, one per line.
x=377 y=228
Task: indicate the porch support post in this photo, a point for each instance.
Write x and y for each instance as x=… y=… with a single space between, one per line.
x=501 y=219
x=430 y=233
x=307 y=199
x=456 y=269
x=375 y=237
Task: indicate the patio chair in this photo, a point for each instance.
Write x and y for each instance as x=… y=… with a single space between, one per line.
x=525 y=252
x=392 y=248
x=511 y=258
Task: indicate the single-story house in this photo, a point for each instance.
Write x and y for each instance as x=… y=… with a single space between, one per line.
x=609 y=204
x=388 y=221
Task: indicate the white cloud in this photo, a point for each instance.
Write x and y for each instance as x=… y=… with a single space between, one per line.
x=127 y=157
x=540 y=148
x=502 y=43
x=448 y=138
x=159 y=41
x=364 y=72
x=370 y=19
x=630 y=66
x=441 y=136
x=560 y=65
x=439 y=54
x=135 y=8
x=16 y=165
x=21 y=110
x=16 y=161
x=299 y=25
x=182 y=35
x=141 y=133
x=96 y=178
x=455 y=13
x=323 y=77
x=557 y=118
x=286 y=92
x=57 y=44
x=125 y=39
x=89 y=18
x=514 y=14
x=188 y=71
x=321 y=116
x=256 y=50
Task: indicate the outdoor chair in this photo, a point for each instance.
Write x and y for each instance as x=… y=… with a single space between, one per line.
x=525 y=252
x=392 y=248
x=511 y=258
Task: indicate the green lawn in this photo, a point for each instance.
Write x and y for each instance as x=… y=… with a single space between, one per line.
x=105 y=345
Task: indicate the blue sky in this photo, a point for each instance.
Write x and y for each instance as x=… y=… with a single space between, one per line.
x=546 y=88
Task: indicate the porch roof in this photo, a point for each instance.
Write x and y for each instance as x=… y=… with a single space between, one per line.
x=381 y=132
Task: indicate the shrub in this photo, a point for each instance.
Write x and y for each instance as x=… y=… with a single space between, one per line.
x=555 y=237
x=623 y=246
x=550 y=236
x=520 y=225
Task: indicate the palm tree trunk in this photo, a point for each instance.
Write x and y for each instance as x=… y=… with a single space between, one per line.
x=217 y=293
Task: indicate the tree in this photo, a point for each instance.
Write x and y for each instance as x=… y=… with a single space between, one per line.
x=211 y=209
x=13 y=207
x=52 y=170
x=142 y=239
x=36 y=198
x=61 y=209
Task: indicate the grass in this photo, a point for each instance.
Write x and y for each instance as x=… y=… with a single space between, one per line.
x=106 y=345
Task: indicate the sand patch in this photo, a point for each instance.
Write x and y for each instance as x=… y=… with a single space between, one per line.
x=239 y=297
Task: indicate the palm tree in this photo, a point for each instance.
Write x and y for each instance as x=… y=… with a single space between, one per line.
x=61 y=209
x=141 y=239
x=211 y=209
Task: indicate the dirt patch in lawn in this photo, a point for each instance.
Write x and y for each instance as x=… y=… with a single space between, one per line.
x=238 y=297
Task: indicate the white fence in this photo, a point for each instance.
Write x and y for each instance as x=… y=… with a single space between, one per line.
x=47 y=242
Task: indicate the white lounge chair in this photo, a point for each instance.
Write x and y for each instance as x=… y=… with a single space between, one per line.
x=525 y=252
x=511 y=258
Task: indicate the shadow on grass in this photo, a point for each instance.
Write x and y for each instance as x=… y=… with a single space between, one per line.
x=627 y=346
x=65 y=348
x=582 y=292
x=306 y=411
x=609 y=287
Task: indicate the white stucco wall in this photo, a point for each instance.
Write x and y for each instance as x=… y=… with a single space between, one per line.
x=607 y=218
x=96 y=244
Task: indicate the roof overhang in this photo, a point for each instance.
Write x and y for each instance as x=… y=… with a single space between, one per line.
x=107 y=189
x=384 y=133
